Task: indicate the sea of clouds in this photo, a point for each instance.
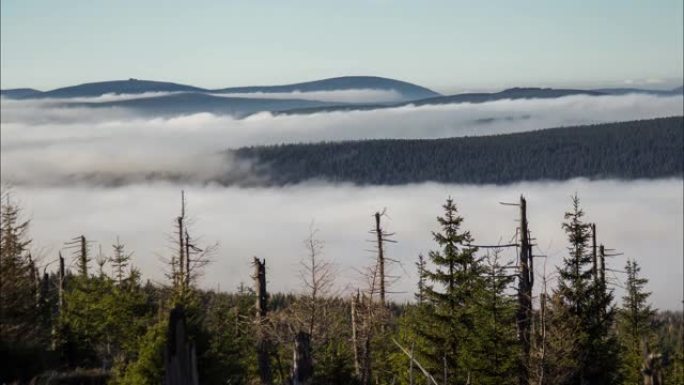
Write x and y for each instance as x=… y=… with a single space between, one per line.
x=43 y=142
x=109 y=172
x=642 y=219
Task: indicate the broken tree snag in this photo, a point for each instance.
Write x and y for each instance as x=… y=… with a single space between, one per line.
x=381 y=258
x=525 y=282
x=186 y=283
x=263 y=344
x=79 y=247
x=379 y=272
x=594 y=256
x=181 y=252
x=180 y=360
x=302 y=363
x=602 y=266
x=61 y=283
x=260 y=287
x=180 y=279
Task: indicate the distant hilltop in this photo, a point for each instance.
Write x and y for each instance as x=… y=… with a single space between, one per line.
x=407 y=90
x=157 y=98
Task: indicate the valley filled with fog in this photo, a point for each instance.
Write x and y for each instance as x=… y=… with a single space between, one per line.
x=641 y=219
x=45 y=145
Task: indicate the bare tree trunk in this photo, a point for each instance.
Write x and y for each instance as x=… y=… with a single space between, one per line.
x=542 y=348
x=187 y=277
x=61 y=282
x=263 y=344
x=524 y=313
x=594 y=256
x=302 y=369
x=381 y=258
x=181 y=253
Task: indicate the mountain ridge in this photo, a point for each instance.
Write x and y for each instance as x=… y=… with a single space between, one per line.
x=341 y=83
x=179 y=98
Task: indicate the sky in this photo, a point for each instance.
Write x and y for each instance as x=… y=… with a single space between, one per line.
x=449 y=46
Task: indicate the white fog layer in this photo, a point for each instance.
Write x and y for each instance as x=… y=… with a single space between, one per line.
x=43 y=144
x=46 y=147
x=642 y=219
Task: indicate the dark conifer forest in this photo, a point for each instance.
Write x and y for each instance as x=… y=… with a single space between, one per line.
x=644 y=149
x=88 y=316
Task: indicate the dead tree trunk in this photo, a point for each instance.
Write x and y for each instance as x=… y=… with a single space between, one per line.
x=524 y=313
x=355 y=338
x=56 y=334
x=302 y=368
x=179 y=279
x=61 y=283
x=263 y=344
x=188 y=245
x=594 y=253
x=180 y=360
x=381 y=258
x=602 y=266
x=181 y=253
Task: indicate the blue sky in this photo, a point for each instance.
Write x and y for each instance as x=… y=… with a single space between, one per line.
x=446 y=45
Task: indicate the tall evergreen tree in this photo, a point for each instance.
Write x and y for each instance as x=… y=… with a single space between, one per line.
x=634 y=323
x=21 y=337
x=496 y=332
x=588 y=304
x=560 y=361
x=447 y=321
x=603 y=353
x=17 y=284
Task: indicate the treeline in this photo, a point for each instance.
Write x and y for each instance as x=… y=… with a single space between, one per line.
x=625 y=150
x=89 y=317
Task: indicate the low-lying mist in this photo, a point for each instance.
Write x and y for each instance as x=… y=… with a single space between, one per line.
x=643 y=220
x=62 y=160
x=45 y=144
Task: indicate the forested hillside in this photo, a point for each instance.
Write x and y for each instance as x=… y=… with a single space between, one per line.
x=625 y=150
x=91 y=317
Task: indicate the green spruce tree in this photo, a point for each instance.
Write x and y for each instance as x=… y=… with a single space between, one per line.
x=634 y=324
x=445 y=325
x=497 y=346
x=588 y=302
